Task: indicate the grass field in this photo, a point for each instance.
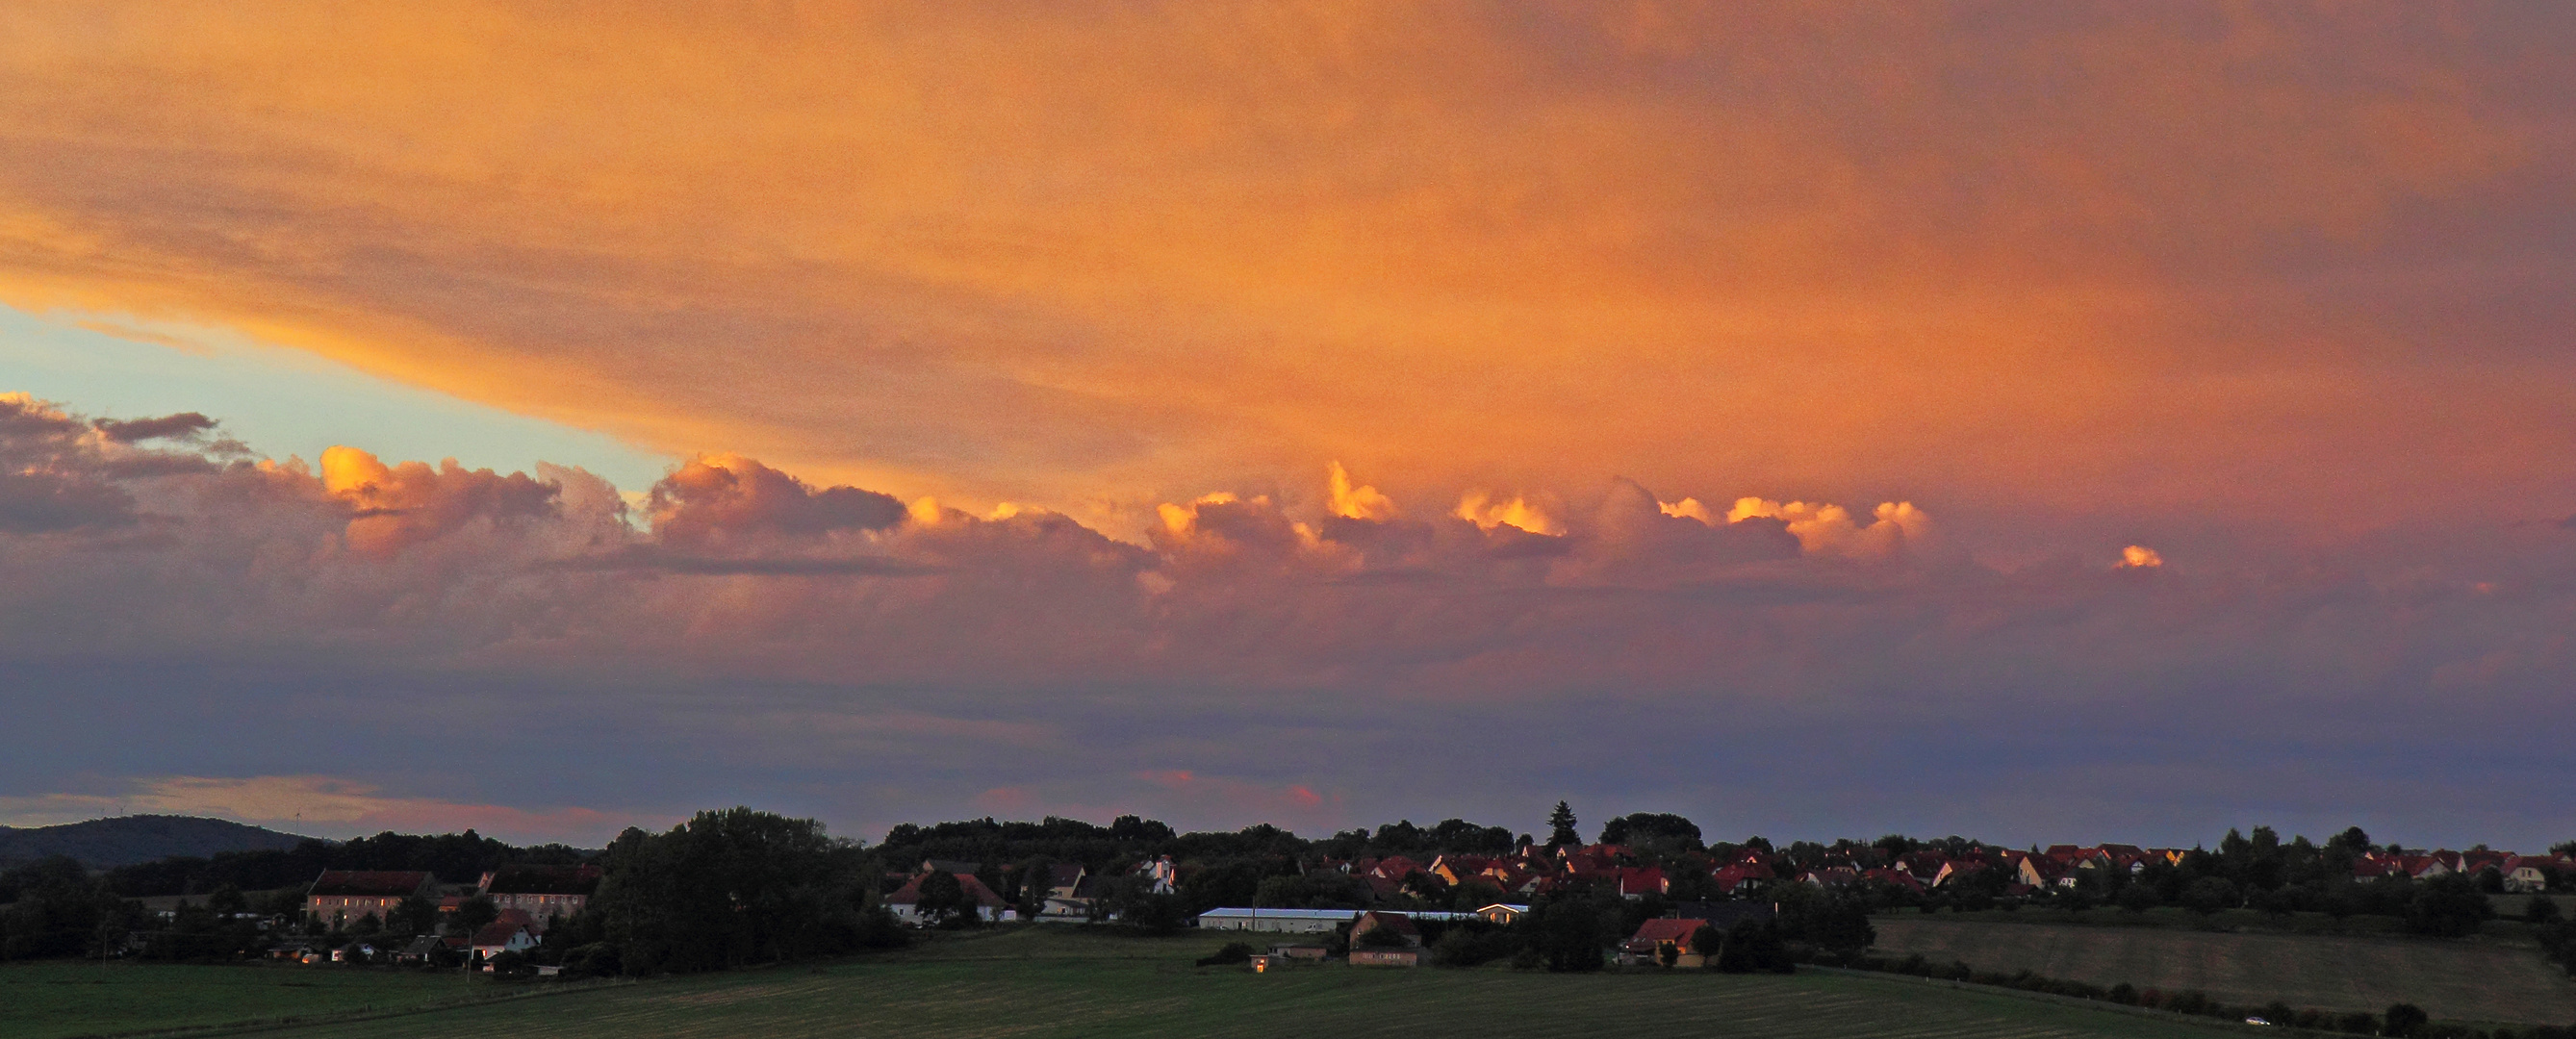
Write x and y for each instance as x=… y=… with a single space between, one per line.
x=2507 y=927
x=2465 y=980
x=1052 y=982
x=54 y=998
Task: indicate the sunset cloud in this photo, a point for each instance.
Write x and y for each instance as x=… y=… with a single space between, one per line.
x=313 y=806
x=1090 y=405
x=2076 y=259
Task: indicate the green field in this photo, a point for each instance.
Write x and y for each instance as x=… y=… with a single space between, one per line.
x=55 y=998
x=2472 y=980
x=1054 y=982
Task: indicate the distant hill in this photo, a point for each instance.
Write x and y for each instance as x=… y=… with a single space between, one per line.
x=126 y=840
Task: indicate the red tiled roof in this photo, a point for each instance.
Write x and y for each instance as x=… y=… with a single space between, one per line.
x=1676 y=931
x=498 y=932
x=910 y=893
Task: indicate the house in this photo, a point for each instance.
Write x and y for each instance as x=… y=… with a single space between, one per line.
x=949 y=866
x=1954 y=870
x=2424 y=867
x=1636 y=882
x=1656 y=937
x=1385 y=958
x=1069 y=897
x=1300 y=952
x=1502 y=913
x=1373 y=921
x=1740 y=876
x=348 y=895
x=295 y=951
x=1395 y=868
x=905 y=903
x=1161 y=876
x=1064 y=879
x=513 y=932
x=1830 y=876
x=426 y=949
x=2040 y=871
x=1288 y=921
x=542 y=892
x=1459 y=869
x=2129 y=857
x=2526 y=873
x=1725 y=915
x=1894 y=878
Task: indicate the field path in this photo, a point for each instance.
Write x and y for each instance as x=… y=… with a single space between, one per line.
x=2466 y=980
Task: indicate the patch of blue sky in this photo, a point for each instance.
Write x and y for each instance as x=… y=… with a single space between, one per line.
x=285 y=402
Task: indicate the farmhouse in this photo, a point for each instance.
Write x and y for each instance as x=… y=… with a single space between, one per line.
x=511 y=933
x=905 y=903
x=1397 y=923
x=348 y=895
x=1657 y=938
x=542 y=891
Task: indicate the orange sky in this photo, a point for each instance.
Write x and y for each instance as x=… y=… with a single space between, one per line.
x=2252 y=262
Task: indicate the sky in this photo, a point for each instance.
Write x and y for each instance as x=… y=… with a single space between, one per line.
x=2035 y=421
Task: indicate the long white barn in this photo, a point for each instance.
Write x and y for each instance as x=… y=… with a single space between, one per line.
x=1310 y=921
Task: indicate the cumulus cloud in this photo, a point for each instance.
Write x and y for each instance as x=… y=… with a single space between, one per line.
x=1357 y=502
x=1486 y=510
x=757 y=621
x=2140 y=556
x=401 y=505
x=716 y=501
x=58 y=473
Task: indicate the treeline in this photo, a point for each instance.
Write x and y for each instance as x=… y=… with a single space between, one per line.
x=2258 y=872
x=725 y=889
x=454 y=857
x=55 y=907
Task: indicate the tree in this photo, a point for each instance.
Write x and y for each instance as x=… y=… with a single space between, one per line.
x=2208 y=895
x=2138 y=898
x=1566 y=933
x=1560 y=827
x=944 y=901
x=472 y=914
x=2404 y=1019
x=58 y=910
x=2447 y=907
x=1706 y=941
x=733 y=887
x=1754 y=946
x=1840 y=925
x=414 y=915
x=2542 y=910
x=1655 y=828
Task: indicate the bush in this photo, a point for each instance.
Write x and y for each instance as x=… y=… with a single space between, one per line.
x=1463 y=947
x=1232 y=953
x=2358 y=1022
x=2404 y=1019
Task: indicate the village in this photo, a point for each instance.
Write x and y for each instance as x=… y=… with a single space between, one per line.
x=1375 y=910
